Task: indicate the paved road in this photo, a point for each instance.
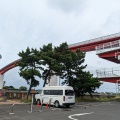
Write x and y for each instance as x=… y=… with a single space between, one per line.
x=80 y=111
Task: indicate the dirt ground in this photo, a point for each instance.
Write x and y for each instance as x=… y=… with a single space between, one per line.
x=11 y=102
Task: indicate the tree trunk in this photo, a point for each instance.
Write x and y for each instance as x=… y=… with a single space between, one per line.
x=29 y=91
x=46 y=77
x=44 y=83
x=91 y=95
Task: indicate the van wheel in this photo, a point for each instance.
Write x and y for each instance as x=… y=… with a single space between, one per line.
x=38 y=102
x=57 y=104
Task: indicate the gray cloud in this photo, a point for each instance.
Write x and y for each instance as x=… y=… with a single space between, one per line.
x=67 y=6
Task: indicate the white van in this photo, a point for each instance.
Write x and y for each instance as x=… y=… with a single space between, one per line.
x=56 y=95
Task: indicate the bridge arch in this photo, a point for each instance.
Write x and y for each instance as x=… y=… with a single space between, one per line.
x=5 y=69
x=9 y=66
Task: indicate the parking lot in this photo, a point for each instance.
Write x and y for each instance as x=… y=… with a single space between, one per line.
x=80 y=111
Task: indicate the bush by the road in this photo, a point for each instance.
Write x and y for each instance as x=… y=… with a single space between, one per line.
x=100 y=99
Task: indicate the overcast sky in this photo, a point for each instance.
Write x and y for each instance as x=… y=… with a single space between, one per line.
x=34 y=23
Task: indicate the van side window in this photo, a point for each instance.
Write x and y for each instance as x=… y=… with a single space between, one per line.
x=69 y=92
x=39 y=91
x=60 y=92
x=56 y=92
x=46 y=92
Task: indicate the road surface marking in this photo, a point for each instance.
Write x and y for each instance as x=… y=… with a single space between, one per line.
x=79 y=115
x=56 y=109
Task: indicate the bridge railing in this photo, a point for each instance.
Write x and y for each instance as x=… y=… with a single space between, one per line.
x=110 y=45
x=108 y=72
x=95 y=40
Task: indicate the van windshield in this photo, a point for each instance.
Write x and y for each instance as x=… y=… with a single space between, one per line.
x=69 y=92
x=39 y=91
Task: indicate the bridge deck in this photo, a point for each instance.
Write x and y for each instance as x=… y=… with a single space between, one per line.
x=90 y=45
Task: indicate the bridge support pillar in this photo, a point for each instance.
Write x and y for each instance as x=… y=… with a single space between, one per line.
x=1 y=81
x=53 y=80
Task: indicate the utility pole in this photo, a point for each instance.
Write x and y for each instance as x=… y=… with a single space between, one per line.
x=0 y=56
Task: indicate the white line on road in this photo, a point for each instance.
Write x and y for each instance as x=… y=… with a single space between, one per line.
x=56 y=109
x=70 y=116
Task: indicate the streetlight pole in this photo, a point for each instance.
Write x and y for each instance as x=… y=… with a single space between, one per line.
x=0 y=56
x=1 y=79
x=59 y=80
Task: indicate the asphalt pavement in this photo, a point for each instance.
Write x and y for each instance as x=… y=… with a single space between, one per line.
x=79 y=111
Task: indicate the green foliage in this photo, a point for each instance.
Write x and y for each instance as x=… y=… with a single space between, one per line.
x=103 y=99
x=60 y=61
x=84 y=83
x=73 y=73
x=26 y=100
x=23 y=88
x=98 y=99
x=50 y=62
x=5 y=87
x=9 y=87
x=116 y=99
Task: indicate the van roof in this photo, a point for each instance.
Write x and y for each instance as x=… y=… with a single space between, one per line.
x=58 y=87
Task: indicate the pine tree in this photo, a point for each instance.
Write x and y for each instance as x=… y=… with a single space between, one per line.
x=29 y=67
x=73 y=71
x=49 y=62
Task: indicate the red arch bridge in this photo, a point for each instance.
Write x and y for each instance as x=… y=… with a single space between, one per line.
x=106 y=47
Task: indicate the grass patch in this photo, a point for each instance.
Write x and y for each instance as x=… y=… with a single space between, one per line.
x=98 y=99
x=24 y=100
x=116 y=99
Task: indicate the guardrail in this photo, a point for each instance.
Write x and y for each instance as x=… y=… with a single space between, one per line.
x=107 y=46
x=108 y=72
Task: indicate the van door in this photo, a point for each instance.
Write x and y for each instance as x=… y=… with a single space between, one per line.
x=69 y=96
x=46 y=96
